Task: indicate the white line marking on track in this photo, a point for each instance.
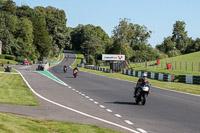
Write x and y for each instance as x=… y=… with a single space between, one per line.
x=152 y=86
x=87 y=97
x=69 y=87
x=102 y=106
x=118 y=115
x=91 y=99
x=142 y=130
x=96 y=102
x=73 y=89
x=109 y=110
x=79 y=112
x=83 y=94
x=129 y=122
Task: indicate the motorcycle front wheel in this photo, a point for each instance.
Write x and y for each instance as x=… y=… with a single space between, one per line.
x=144 y=98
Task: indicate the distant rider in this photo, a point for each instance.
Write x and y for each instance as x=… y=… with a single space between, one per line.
x=65 y=68
x=75 y=69
x=140 y=82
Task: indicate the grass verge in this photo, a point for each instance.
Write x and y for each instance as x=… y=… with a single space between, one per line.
x=60 y=59
x=13 y=90
x=15 y=124
x=5 y=61
x=78 y=60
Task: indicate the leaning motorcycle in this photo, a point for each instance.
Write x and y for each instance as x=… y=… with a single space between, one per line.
x=75 y=73
x=65 y=70
x=142 y=93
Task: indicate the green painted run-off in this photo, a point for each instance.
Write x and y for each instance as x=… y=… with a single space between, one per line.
x=48 y=74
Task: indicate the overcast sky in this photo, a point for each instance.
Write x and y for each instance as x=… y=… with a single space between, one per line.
x=157 y=15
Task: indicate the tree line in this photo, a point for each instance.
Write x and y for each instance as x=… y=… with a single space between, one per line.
x=42 y=32
x=32 y=33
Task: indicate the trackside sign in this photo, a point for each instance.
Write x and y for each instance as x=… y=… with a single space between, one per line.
x=112 y=57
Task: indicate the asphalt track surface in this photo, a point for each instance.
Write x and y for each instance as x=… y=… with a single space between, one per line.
x=165 y=111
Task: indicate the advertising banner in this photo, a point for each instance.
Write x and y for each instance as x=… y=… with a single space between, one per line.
x=113 y=57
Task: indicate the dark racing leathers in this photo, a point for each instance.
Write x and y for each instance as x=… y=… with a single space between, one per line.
x=140 y=82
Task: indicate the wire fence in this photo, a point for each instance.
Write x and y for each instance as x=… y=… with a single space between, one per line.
x=172 y=65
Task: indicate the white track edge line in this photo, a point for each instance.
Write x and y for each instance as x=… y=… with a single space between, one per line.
x=79 y=112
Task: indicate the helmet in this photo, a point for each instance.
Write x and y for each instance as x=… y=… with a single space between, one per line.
x=144 y=75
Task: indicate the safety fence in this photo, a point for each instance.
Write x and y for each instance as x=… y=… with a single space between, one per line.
x=151 y=75
x=98 y=68
x=189 y=79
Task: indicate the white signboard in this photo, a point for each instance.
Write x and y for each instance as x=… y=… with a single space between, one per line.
x=112 y=57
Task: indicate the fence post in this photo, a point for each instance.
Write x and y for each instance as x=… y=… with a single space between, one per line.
x=192 y=66
x=186 y=66
x=199 y=66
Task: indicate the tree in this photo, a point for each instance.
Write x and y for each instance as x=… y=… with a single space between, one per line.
x=129 y=37
x=180 y=36
x=91 y=40
x=24 y=37
x=42 y=40
x=56 y=26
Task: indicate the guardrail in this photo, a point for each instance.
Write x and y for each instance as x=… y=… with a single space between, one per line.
x=189 y=79
x=151 y=75
x=98 y=68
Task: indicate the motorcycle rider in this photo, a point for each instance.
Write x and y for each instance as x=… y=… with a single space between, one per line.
x=140 y=82
x=65 y=68
x=76 y=68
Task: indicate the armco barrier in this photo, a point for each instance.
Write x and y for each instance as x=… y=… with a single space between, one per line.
x=97 y=68
x=152 y=75
x=189 y=79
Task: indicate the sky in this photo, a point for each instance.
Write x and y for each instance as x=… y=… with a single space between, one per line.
x=159 y=16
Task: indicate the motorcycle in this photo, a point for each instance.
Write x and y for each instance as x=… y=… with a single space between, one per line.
x=65 y=69
x=142 y=93
x=75 y=73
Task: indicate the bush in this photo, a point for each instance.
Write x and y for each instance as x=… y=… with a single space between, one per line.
x=10 y=57
x=21 y=59
x=2 y=56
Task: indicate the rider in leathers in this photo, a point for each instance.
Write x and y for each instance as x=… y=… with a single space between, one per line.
x=140 y=82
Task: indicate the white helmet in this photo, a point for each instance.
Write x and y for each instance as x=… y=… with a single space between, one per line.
x=144 y=75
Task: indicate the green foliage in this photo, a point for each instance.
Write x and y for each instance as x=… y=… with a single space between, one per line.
x=91 y=40
x=2 y=56
x=32 y=33
x=130 y=39
x=180 y=36
x=10 y=57
x=179 y=43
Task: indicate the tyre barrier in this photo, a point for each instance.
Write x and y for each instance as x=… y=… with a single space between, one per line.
x=189 y=79
x=151 y=75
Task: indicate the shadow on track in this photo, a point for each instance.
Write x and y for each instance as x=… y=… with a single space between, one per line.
x=125 y=103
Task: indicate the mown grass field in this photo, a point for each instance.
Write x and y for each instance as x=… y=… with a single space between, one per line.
x=188 y=64
x=16 y=124
x=13 y=90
